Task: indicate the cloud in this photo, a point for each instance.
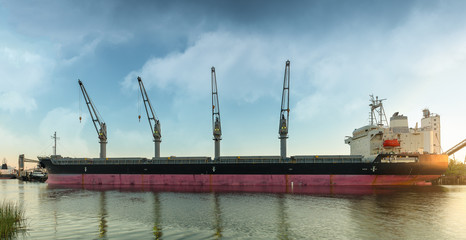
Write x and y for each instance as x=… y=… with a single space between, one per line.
x=245 y=66
x=87 y=43
x=136 y=143
x=11 y=101
x=310 y=106
x=389 y=62
x=69 y=129
x=23 y=75
x=413 y=61
x=71 y=30
x=82 y=49
x=13 y=144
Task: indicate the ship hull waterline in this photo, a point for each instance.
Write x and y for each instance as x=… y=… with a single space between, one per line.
x=8 y=176
x=211 y=173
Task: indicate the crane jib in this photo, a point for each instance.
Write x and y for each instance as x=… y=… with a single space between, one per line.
x=95 y=116
x=154 y=122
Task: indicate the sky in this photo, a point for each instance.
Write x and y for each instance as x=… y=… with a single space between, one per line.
x=412 y=53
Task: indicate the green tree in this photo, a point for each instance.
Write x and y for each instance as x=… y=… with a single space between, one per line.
x=455 y=168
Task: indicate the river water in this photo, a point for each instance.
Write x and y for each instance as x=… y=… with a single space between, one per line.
x=53 y=212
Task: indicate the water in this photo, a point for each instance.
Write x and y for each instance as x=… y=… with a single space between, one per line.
x=429 y=212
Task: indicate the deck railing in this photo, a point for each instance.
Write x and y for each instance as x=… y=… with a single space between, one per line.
x=207 y=160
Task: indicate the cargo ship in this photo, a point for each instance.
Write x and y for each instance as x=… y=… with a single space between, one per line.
x=7 y=172
x=381 y=154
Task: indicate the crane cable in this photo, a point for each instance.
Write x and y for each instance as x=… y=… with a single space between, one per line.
x=139 y=107
x=80 y=107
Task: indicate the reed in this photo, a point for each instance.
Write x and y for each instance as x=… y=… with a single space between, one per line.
x=11 y=219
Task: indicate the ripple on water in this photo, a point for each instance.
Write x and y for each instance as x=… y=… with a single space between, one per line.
x=386 y=213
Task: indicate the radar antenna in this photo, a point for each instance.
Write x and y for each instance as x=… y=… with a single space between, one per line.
x=378 y=116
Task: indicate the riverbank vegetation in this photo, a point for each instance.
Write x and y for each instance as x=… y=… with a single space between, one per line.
x=11 y=220
x=456 y=168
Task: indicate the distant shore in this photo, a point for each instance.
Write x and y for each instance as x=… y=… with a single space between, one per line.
x=455 y=174
x=450 y=180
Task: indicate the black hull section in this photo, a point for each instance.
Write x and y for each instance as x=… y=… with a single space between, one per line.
x=248 y=168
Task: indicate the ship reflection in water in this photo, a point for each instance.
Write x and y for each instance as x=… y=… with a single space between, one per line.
x=103 y=216
x=100 y=212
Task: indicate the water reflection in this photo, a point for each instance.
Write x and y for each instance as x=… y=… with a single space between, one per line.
x=157 y=230
x=217 y=217
x=103 y=215
x=55 y=221
x=64 y=212
x=383 y=202
x=282 y=218
x=308 y=190
x=406 y=210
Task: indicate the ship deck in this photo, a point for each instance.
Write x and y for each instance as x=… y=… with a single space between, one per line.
x=58 y=160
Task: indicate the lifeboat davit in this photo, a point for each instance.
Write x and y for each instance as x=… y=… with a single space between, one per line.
x=391 y=143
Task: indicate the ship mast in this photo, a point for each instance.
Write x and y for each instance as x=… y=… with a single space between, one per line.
x=216 y=126
x=102 y=129
x=55 y=138
x=154 y=122
x=377 y=109
x=285 y=110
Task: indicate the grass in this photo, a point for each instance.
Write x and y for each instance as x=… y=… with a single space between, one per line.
x=11 y=219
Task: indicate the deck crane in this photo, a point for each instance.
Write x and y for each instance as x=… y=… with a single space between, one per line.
x=285 y=111
x=216 y=126
x=102 y=132
x=153 y=120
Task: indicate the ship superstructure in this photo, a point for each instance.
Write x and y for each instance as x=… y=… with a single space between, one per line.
x=379 y=137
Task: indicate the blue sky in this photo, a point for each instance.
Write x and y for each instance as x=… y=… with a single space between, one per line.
x=413 y=53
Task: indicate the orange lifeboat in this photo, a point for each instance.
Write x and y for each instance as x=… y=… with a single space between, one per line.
x=391 y=143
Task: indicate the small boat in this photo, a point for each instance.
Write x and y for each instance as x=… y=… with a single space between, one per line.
x=37 y=175
x=391 y=143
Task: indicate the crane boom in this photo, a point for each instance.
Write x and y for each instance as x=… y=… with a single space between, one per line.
x=456 y=148
x=102 y=129
x=216 y=126
x=154 y=122
x=285 y=110
x=21 y=161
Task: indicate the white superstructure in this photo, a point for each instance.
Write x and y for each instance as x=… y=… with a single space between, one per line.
x=398 y=137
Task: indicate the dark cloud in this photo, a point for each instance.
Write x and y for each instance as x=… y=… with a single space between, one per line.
x=162 y=21
x=78 y=28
